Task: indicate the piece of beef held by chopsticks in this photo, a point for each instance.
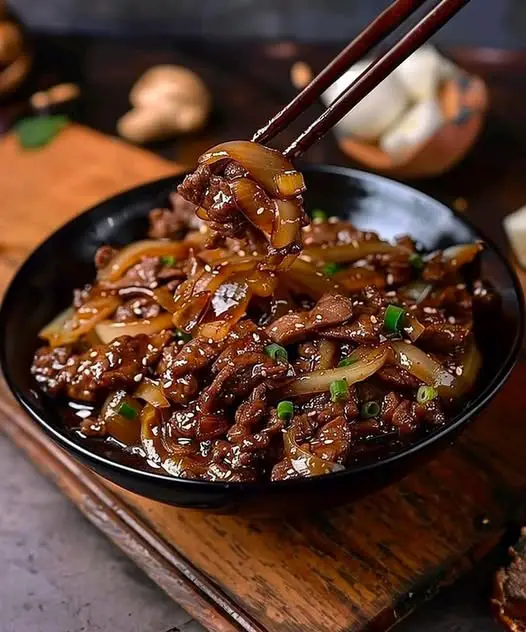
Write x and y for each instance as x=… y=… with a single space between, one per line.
x=509 y=593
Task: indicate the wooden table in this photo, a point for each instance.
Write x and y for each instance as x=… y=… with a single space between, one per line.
x=255 y=83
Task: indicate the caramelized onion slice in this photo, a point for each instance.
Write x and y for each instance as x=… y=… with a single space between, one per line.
x=255 y=204
x=126 y=429
x=305 y=463
x=413 y=328
x=151 y=442
x=262 y=163
x=354 y=251
x=80 y=322
x=152 y=393
x=463 y=254
x=132 y=254
x=109 y=330
x=328 y=352
x=319 y=381
x=432 y=373
x=288 y=221
x=54 y=328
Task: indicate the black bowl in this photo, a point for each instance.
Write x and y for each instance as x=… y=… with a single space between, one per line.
x=44 y=285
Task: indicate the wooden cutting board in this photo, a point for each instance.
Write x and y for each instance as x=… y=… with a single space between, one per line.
x=356 y=568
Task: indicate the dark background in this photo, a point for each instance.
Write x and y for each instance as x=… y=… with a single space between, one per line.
x=495 y=23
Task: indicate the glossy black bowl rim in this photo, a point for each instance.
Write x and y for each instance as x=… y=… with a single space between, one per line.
x=465 y=416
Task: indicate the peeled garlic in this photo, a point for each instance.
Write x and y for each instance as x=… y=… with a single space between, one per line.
x=515 y=227
x=376 y=112
x=416 y=126
x=422 y=73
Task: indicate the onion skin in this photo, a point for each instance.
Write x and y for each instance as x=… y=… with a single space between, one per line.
x=304 y=462
x=132 y=254
x=109 y=330
x=319 y=381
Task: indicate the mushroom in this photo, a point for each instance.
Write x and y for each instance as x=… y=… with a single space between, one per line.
x=167 y=100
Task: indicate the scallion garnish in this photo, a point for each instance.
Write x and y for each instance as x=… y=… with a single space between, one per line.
x=416 y=261
x=127 y=411
x=182 y=335
x=168 y=260
x=346 y=361
x=425 y=394
x=339 y=390
x=277 y=352
x=393 y=318
x=330 y=269
x=319 y=216
x=370 y=409
x=285 y=410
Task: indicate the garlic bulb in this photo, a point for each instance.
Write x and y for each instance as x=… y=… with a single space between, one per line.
x=515 y=227
x=416 y=126
x=422 y=73
x=376 y=112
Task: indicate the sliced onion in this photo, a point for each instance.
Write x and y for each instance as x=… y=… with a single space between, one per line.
x=151 y=441
x=239 y=295
x=109 y=330
x=425 y=368
x=303 y=278
x=354 y=251
x=263 y=163
x=305 y=463
x=125 y=430
x=413 y=327
x=54 y=328
x=132 y=254
x=287 y=224
x=319 y=381
x=190 y=314
x=328 y=351
x=416 y=291
x=290 y=183
x=463 y=254
x=81 y=321
x=355 y=279
x=470 y=366
x=152 y=393
x=165 y=298
x=255 y=204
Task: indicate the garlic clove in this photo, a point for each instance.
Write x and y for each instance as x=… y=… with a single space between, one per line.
x=515 y=227
x=422 y=73
x=376 y=112
x=414 y=128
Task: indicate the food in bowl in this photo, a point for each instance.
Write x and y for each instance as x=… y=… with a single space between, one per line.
x=239 y=342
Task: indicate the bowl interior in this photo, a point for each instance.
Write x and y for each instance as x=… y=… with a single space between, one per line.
x=44 y=284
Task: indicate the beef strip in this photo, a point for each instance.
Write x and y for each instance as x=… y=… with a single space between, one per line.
x=104 y=255
x=174 y=223
x=509 y=591
x=51 y=367
x=119 y=365
x=141 y=307
x=330 y=310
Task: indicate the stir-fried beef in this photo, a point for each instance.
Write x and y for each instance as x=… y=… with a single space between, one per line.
x=241 y=359
x=509 y=592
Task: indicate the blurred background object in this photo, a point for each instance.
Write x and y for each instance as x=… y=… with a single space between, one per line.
x=15 y=57
x=499 y=23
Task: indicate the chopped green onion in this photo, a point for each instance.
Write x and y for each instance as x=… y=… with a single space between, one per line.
x=168 y=260
x=37 y=131
x=127 y=411
x=277 y=352
x=329 y=269
x=182 y=335
x=339 y=390
x=285 y=410
x=425 y=394
x=346 y=361
x=319 y=216
x=416 y=261
x=370 y=409
x=393 y=318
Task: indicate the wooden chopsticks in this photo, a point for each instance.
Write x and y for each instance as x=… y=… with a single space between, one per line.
x=382 y=26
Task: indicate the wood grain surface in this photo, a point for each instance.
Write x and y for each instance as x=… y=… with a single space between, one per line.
x=355 y=568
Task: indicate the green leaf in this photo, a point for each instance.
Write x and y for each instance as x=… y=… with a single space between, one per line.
x=38 y=131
